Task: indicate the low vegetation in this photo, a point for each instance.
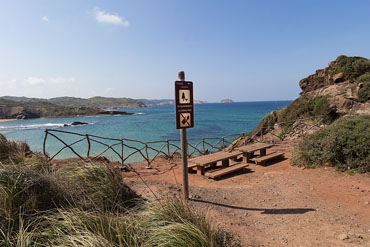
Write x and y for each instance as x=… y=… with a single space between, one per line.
x=316 y=109
x=364 y=91
x=351 y=67
x=344 y=145
x=356 y=69
x=79 y=204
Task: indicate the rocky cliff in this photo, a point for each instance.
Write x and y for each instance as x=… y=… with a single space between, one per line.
x=342 y=88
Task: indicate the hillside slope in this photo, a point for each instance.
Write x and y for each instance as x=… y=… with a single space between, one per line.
x=342 y=88
x=10 y=109
x=94 y=102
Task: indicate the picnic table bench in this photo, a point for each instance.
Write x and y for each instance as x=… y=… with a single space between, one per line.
x=262 y=159
x=211 y=160
x=234 y=166
x=248 y=150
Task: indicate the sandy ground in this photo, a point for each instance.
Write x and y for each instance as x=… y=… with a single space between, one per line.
x=273 y=205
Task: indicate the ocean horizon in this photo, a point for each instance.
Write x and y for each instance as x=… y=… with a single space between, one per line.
x=155 y=123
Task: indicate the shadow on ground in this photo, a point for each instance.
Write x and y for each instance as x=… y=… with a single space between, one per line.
x=264 y=210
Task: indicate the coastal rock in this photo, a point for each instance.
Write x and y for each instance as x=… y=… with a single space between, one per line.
x=328 y=94
x=226 y=101
x=78 y=123
x=115 y=113
x=343 y=236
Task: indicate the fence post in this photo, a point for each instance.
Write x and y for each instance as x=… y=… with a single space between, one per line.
x=122 y=162
x=168 y=149
x=261 y=135
x=147 y=156
x=88 y=146
x=204 y=148
x=223 y=143
x=44 y=144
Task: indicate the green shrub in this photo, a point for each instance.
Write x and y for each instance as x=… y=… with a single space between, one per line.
x=352 y=67
x=344 y=145
x=319 y=106
x=364 y=78
x=302 y=107
x=364 y=92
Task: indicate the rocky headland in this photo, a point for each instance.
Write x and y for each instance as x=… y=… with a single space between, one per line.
x=341 y=89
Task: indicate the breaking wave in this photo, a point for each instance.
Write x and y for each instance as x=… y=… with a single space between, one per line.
x=32 y=126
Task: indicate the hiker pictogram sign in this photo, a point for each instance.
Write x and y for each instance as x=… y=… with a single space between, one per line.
x=184 y=104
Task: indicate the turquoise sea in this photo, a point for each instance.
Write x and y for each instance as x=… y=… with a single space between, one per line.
x=147 y=125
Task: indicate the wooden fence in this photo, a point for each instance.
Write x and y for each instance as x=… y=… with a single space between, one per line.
x=123 y=149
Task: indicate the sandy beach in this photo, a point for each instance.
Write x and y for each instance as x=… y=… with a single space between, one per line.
x=7 y=120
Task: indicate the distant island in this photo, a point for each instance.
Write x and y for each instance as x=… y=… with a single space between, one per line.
x=28 y=108
x=158 y=102
x=226 y=101
x=97 y=102
x=12 y=107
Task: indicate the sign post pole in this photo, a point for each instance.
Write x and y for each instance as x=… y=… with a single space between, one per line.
x=184 y=119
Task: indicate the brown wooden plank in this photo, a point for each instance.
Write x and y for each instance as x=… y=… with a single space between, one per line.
x=215 y=157
x=235 y=167
x=267 y=157
x=254 y=147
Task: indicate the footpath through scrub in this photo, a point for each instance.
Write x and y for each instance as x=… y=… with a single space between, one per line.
x=273 y=205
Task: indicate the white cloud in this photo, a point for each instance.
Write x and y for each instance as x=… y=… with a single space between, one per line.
x=62 y=80
x=38 y=81
x=103 y=17
x=45 y=18
x=34 y=81
x=44 y=87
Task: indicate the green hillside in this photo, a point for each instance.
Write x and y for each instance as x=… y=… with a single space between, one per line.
x=94 y=102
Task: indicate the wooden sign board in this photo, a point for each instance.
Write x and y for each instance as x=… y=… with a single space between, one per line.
x=184 y=106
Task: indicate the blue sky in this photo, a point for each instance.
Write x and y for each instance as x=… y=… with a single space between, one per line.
x=239 y=49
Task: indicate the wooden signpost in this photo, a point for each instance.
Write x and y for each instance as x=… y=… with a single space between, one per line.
x=184 y=109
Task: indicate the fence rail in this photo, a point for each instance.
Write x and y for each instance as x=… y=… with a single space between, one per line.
x=123 y=149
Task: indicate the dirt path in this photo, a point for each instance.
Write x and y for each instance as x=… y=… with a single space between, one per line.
x=275 y=205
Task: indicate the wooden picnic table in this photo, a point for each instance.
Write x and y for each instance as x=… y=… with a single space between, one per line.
x=202 y=162
x=248 y=150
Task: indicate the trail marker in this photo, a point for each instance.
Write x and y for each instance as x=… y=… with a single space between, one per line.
x=184 y=104
x=184 y=114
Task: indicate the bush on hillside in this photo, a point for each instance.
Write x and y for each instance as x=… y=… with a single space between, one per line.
x=364 y=92
x=344 y=145
x=351 y=67
x=302 y=107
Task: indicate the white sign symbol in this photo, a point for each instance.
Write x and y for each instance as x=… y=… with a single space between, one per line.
x=184 y=96
x=185 y=120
